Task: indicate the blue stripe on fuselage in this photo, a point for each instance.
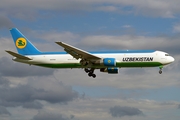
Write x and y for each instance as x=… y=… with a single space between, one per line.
x=103 y=52
x=124 y=51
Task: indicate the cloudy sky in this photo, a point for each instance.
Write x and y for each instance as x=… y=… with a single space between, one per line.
x=34 y=93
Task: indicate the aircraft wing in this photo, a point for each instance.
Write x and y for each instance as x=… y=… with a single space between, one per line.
x=77 y=53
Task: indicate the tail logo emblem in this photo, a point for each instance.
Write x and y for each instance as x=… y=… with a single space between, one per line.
x=21 y=43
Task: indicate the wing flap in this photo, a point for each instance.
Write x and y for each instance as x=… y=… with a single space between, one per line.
x=18 y=55
x=75 y=55
x=76 y=52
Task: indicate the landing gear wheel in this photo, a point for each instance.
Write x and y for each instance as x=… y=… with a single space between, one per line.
x=93 y=75
x=90 y=72
x=160 y=71
x=86 y=70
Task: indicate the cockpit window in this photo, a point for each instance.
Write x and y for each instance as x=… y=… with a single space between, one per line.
x=166 y=54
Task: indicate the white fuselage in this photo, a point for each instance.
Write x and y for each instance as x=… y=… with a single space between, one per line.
x=156 y=58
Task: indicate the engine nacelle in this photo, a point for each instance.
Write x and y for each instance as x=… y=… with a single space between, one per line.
x=110 y=70
x=109 y=62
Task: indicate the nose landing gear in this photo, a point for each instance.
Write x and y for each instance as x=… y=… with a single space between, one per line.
x=160 y=71
x=90 y=72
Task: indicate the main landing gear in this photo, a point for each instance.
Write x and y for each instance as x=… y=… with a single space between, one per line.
x=160 y=71
x=90 y=72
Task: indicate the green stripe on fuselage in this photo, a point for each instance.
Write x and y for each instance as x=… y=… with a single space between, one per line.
x=62 y=65
x=119 y=64
x=138 y=64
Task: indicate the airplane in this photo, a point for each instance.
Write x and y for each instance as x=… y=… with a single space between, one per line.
x=72 y=57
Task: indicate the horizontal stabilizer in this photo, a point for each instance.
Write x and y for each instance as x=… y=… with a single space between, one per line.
x=18 y=55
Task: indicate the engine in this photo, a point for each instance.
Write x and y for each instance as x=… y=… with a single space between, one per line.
x=109 y=62
x=110 y=70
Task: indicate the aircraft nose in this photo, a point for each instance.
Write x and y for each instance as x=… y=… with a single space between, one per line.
x=171 y=59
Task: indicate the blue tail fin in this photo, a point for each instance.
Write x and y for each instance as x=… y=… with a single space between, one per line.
x=23 y=45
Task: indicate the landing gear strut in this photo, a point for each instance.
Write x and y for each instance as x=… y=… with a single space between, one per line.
x=90 y=72
x=86 y=70
x=160 y=71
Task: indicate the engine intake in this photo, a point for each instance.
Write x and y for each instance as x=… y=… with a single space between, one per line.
x=110 y=70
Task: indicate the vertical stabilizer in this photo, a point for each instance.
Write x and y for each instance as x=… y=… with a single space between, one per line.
x=23 y=45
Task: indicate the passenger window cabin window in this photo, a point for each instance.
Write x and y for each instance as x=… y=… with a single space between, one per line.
x=166 y=54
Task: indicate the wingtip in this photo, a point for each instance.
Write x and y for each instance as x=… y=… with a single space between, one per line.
x=58 y=42
x=7 y=51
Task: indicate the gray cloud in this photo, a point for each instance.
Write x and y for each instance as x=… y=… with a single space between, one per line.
x=33 y=105
x=4 y=82
x=25 y=95
x=136 y=71
x=119 y=111
x=128 y=41
x=28 y=96
x=153 y=8
x=31 y=10
x=47 y=5
x=3 y=110
x=125 y=42
x=179 y=106
x=49 y=116
x=13 y=69
x=5 y=22
x=72 y=116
